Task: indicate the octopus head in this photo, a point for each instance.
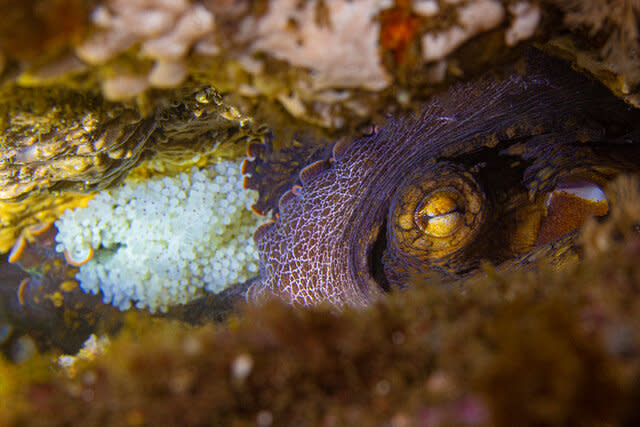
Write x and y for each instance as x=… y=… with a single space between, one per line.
x=501 y=170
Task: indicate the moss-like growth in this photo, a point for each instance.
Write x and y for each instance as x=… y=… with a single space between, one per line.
x=16 y=382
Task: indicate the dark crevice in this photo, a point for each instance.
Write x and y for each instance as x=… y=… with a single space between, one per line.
x=376 y=268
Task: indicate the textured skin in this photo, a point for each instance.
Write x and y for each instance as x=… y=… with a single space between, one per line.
x=319 y=246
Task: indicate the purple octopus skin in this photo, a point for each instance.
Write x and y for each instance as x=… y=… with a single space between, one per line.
x=318 y=248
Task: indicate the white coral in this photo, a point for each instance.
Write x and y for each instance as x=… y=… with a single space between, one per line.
x=342 y=52
x=474 y=18
x=165 y=241
x=165 y=30
x=526 y=19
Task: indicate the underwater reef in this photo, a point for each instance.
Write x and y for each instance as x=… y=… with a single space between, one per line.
x=543 y=347
x=473 y=287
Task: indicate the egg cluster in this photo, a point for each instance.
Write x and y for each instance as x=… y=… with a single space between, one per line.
x=164 y=241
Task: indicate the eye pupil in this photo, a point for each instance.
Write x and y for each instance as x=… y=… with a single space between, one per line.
x=443 y=225
x=439 y=204
x=438 y=215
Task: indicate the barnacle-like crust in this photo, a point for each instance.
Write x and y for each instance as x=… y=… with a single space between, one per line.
x=56 y=139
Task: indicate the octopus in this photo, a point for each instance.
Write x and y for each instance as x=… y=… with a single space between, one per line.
x=499 y=169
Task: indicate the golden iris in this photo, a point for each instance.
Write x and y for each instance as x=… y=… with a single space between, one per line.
x=438 y=215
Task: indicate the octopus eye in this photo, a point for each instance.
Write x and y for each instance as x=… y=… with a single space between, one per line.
x=436 y=213
x=439 y=214
x=569 y=206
